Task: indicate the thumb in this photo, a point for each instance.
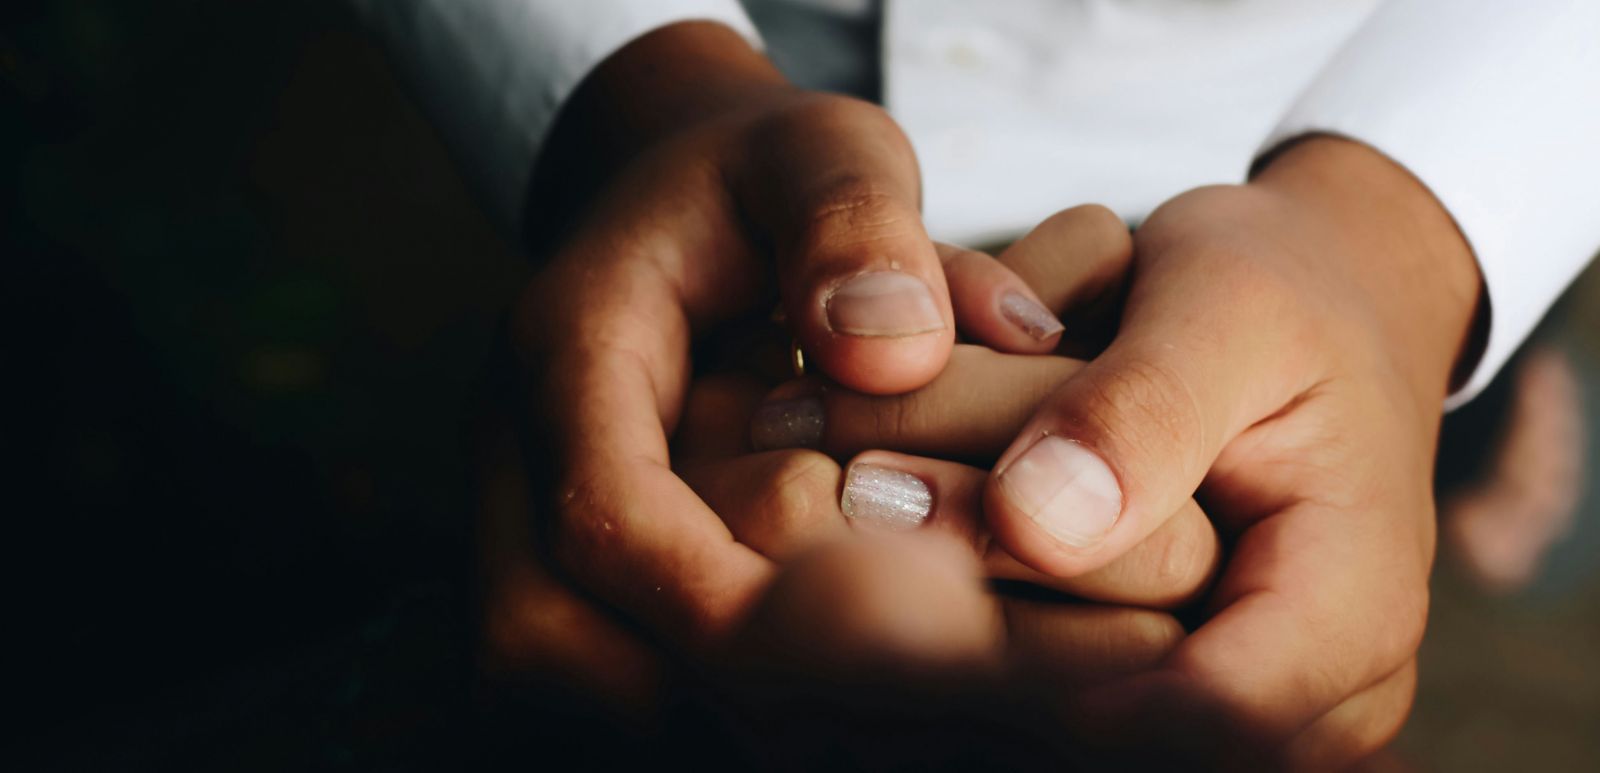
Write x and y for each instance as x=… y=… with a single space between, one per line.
x=835 y=186
x=1124 y=443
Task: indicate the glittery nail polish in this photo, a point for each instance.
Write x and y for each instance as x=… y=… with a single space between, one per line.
x=885 y=498
x=793 y=423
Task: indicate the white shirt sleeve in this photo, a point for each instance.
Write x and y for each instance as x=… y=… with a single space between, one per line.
x=492 y=74
x=1495 y=106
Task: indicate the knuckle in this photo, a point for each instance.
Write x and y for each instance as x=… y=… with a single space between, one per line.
x=1183 y=564
x=1104 y=238
x=1123 y=640
x=852 y=214
x=964 y=267
x=1385 y=725
x=1092 y=220
x=1150 y=635
x=800 y=487
x=1394 y=623
x=1408 y=621
x=1357 y=729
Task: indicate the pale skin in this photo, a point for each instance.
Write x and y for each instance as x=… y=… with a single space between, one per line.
x=1273 y=352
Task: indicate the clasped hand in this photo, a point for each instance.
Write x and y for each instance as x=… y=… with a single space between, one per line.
x=1263 y=348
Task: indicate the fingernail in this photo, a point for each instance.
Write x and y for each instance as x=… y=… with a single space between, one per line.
x=793 y=423
x=1028 y=314
x=885 y=498
x=883 y=303
x=1065 y=488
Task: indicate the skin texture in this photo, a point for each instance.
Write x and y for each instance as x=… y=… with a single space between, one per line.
x=782 y=503
x=1271 y=353
x=708 y=159
x=722 y=193
x=1275 y=354
x=891 y=623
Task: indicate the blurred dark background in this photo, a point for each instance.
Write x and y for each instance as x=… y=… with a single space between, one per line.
x=250 y=302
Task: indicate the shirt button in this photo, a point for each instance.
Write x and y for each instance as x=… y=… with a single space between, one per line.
x=964 y=55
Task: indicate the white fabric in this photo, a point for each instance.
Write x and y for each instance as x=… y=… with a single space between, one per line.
x=1019 y=108
x=492 y=74
x=1495 y=106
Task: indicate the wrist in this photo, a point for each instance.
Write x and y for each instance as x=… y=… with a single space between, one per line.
x=1404 y=253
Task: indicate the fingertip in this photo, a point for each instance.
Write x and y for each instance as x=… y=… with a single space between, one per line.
x=876 y=324
x=1077 y=264
x=994 y=307
x=942 y=495
x=1057 y=508
x=1022 y=309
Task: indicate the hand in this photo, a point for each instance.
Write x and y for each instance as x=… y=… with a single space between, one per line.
x=711 y=160
x=897 y=643
x=1284 y=349
x=723 y=189
x=890 y=623
x=540 y=626
x=785 y=503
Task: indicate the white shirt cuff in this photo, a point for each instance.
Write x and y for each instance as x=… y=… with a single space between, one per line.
x=492 y=74
x=1495 y=107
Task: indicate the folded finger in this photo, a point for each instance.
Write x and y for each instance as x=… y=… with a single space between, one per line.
x=1316 y=605
x=611 y=359
x=886 y=490
x=1305 y=621
x=1076 y=644
x=779 y=503
x=970 y=411
x=537 y=628
x=783 y=502
x=994 y=307
x=1357 y=728
x=877 y=602
x=1077 y=261
x=1170 y=569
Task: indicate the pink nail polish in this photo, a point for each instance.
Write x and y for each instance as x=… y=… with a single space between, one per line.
x=1027 y=314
